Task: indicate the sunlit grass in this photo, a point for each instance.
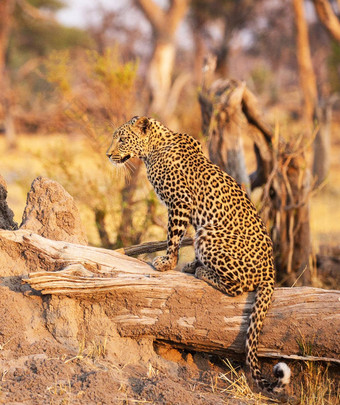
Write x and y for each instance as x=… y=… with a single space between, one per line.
x=238 y=387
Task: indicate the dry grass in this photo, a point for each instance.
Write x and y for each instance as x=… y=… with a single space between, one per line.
x=238 y=387
x=92 y=350
x=60 y=393
x=317 y=387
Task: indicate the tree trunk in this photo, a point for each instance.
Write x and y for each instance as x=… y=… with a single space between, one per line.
x=6 y=214
x=322 y=143
x=126 y=234
x=328 y=17
x=172 y=307
x=306 y=71
x=312 y=110
x=222 y=109
x=164 y=25
x=160 y=74
x=199 y=53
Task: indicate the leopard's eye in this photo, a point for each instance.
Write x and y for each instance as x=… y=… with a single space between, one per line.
x=122 y=140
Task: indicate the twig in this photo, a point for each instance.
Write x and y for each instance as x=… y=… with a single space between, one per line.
x=293 y=285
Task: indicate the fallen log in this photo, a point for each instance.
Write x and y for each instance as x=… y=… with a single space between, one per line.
x=174 y=308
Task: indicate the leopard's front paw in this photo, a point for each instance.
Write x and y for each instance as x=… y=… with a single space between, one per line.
x=163 y=263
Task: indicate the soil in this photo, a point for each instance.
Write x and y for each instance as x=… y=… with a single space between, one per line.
x=51 y=212
x=43 y=362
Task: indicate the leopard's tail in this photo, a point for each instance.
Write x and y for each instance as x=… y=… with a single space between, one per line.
x=282 y=372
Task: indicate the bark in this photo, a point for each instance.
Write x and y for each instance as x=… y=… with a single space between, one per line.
x=164 y=25
x=173 y=307
x=328 y=17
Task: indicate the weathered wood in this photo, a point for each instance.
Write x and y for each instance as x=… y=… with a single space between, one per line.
x=176 y=308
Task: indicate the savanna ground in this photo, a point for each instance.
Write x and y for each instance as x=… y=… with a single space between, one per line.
x=90 y=373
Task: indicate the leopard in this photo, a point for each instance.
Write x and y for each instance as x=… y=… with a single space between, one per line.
x=233 y=250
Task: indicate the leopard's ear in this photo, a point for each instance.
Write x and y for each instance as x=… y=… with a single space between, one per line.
x=134 y=119
x=143 y=124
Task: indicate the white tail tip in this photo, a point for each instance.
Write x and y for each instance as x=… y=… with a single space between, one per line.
x=283 y=373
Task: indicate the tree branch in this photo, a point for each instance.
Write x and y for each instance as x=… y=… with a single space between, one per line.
x=34 y=12
x=328 y=18
x=306 y=70
x=152 y=12
x=150 y=247
x=177 y=10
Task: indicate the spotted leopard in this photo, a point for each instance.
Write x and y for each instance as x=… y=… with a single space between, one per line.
x=233 y=250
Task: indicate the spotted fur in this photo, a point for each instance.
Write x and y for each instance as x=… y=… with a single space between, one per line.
x=232 y=247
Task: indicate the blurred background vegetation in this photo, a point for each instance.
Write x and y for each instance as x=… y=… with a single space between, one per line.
x=63 y=91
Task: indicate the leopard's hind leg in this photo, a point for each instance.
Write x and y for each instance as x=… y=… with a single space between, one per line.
x=191 y=267
x=211 y=277
x=219 y=267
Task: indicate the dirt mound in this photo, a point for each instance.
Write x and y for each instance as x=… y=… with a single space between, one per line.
x=50 y=353
x=51 y=212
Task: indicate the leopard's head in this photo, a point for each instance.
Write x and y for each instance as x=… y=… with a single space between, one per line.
x=129 y=140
